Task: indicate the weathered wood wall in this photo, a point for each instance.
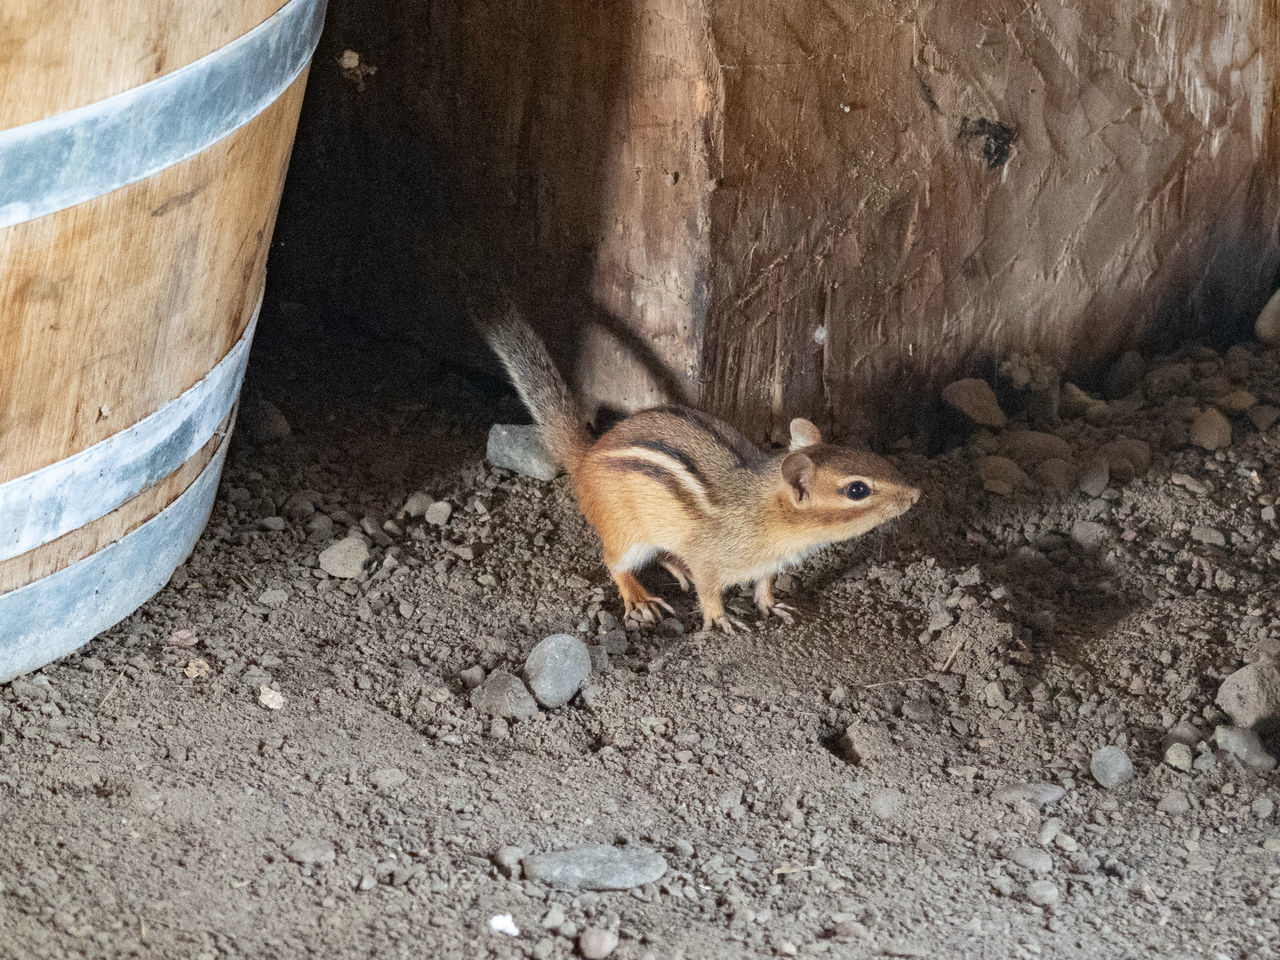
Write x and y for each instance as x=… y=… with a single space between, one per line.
x=800 y=207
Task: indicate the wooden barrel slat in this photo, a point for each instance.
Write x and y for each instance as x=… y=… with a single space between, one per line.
x=113 y=308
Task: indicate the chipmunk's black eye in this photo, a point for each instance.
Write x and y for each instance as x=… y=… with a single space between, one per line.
x=857 y=490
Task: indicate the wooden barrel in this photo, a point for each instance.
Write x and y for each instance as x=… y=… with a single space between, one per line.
x=143 y=148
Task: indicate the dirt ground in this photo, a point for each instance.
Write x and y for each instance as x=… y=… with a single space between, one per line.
x=266 y=761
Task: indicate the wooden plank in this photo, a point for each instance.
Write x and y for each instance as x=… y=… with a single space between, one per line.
x=81 y=51
x=117 y=305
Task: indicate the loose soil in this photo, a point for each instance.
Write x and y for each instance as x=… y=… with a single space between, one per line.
x=268 y=762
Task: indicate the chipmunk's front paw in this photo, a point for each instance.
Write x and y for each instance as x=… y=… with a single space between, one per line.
x=648 y=611
x=784 y=612
x=723 y=622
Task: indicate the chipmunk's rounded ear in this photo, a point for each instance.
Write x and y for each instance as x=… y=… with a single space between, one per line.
x=797 y=470
x=803 y=434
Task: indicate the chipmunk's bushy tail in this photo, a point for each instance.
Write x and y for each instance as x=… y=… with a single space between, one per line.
x=539 y=384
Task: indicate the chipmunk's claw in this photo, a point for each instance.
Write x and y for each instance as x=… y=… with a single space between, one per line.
x=725 y=623
x=784 y=612
x=649 y=611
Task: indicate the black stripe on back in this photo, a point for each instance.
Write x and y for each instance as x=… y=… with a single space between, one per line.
x=665 y=478
x=745 y=454
x=676 y=454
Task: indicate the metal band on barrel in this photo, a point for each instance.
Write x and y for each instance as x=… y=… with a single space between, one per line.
x=47 y=503
x=51 y=617
x=65 y=159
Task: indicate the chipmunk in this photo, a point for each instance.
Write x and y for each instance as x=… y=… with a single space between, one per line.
x=679 y=486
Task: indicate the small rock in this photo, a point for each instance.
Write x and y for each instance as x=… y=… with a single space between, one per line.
x=1033 y=446
x=1057 y=476
x=1126 y=457
x=320 y=528
x=270 y=698
x=1089 y=534
x=387 y=778
x=1035 y=794
x=345 y=559
x=887 y=803
x=1237 y=401
x=1211 y=431
x=1267 y=327
x=472 y=677
x=976 y=400
x=595 y=867
x=1251 y=695
x=518 y=447
x=1037 y=861
x=504 y=923
x=556 y=668
x=1179 y=756
x=415 y=506
x=1174 y=802
x=310 y=851
x=1001 y=476
x=1110 y=766
x=1246 y=746
x=1125 y=375
x=263 y=422
x=1042 y=893
x=1074 y=401
x=274 y=524
x=863 y=742
x=507 y=860
x=503 y=695
x=1094 y=477
x=1208 y=535
x=1263 y=416
x=596 y=944
x=438 y=513
x=1263 y=808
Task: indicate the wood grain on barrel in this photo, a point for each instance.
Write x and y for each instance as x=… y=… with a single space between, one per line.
x=115 y=306
x=85 y=50
x=92 y=537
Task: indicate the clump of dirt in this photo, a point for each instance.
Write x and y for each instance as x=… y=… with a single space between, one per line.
x=270 y=760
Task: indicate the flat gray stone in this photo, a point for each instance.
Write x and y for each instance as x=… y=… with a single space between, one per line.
x=1111 y=766
x=387 y=778
x=438 y=513
x=518 y=447
x=595 y=867
x=1251 y=695
x=1036 y=794
x=345 y=559
x=556 y=669
x=309 y=851
x=1246 y=746
x=1029 y=858
x=1042 y=893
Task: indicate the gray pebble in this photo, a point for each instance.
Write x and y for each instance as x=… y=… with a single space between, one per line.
x=438 y=513
x=415 y=506
x=387 y=778
x=596 y=944
x=273 y=523
x=1036 y=794
x=887 y=804
x=503 y=695
x=556 y=668
x=1094 y=477
x=519 y=448
x=1179 y=756
x=1174 y=802
x=1263 y=808
x=1110 y=766
x=1037 y=861
x=345 y=559
x=1252 y=695
x=310 y=851
x=508 y=859
x=1089 y=534
x=472 y=677
x=1042 y=893
x=595 y=867
x=1246 y=746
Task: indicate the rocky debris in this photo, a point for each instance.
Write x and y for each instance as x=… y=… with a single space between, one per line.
x=1089 y=534
x=1125 y=375
x=345 y=559
x=887 y=803
x=1211 y=430
x=1251 y=695
x=387 y=778
x=438 y=513
x=975 y=399
x=1263 y=808
x=270 y=697
x=310 y=851
x=1245 y=745
x=472 y=677
x=556 y=669
x=595 y=867
x=1110 y=766
x=1002 y=476
x=1095 y=477
x=861 y=743
x=262 y=420
x=1179 y=756
x=518 y=447
x=1043 y=893
x=503 y=695
x=596 y=944
x=1267 y=327
x=1034 y=794
x=414 y=507
x=1029 y=858
x=1174 y=802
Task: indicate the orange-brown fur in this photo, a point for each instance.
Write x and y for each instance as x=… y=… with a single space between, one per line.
x=682 y=488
